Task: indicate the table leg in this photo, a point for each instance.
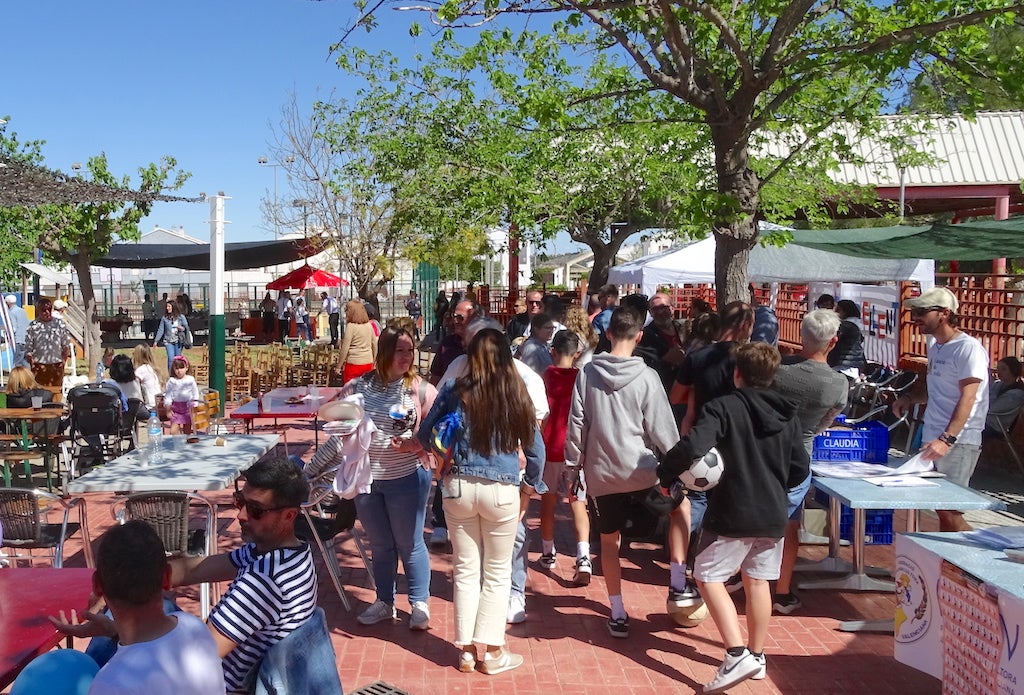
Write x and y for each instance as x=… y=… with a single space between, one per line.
x=833 y=564
x=857 y=580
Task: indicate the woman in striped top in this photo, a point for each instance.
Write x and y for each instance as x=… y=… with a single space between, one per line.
x=393 y=512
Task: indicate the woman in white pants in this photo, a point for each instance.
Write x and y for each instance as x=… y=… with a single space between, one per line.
x=481 y=493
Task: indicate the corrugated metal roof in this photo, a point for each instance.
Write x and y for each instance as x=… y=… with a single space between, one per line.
x=988 y=150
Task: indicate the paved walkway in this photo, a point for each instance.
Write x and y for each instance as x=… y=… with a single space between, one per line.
x=564 y=640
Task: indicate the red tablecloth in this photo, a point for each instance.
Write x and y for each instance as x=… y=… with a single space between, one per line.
x=27 y=597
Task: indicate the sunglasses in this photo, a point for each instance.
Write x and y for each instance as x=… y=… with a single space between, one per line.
x=537 y=302
x=254 y=511
x=921 y=311
x=459 y=317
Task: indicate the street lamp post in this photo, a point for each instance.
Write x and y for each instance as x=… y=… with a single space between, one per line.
x=304 y=204
x=263 y=161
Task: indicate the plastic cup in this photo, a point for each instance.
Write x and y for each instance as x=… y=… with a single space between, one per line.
x=37 y=402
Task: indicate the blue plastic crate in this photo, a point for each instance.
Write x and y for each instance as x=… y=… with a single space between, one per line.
x=868 y=443
x=877 y=526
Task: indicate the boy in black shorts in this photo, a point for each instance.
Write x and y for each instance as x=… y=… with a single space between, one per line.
x=627 y=419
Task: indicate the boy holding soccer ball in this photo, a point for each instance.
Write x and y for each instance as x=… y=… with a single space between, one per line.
x=757 y=433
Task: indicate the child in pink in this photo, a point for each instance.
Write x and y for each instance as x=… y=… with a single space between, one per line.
x=559 y=380
x=181 y=392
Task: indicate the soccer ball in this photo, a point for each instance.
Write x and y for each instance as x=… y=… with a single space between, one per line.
x=688 y=616
x=704 y=473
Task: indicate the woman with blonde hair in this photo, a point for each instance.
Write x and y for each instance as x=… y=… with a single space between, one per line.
x=576 y=320
x=481 y=492
x=146 y=374
x=359 y=345
x=393 y=510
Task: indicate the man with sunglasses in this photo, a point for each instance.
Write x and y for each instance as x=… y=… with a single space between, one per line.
x=453 y=344
x=273 y=580
x=957 y=394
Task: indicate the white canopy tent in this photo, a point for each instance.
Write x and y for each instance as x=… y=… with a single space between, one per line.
x=695 y=263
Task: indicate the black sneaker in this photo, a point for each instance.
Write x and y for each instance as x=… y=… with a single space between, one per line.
x=734 y=583
x=618 y=627
x=684 y=598
x=786 y=603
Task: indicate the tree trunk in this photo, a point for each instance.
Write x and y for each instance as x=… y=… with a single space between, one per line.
x=604 y=251
x=735 y=228
x=92 y=347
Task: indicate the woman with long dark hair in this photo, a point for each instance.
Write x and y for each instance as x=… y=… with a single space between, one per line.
x=174 y=331
x=394 y=509
x=481 y=493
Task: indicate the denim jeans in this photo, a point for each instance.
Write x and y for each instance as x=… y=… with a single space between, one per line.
x=173 y=350
x=482 y=528
x=393 y=512
x=519 y=557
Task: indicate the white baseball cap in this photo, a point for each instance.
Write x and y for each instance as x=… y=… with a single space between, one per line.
x=11 y=299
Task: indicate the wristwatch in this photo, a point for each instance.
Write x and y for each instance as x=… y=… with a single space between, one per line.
x=947 y=439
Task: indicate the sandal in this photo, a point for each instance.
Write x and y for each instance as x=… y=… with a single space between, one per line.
x=506 y=662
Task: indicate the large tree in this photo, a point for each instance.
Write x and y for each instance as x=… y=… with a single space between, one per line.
x=466 y=147
x=762 y=77
x=78 y=234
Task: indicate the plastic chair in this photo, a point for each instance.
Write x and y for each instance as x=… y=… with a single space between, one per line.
x=168 y=512
x=25 y=519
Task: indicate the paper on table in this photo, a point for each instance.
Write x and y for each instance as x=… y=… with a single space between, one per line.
x=998 y=537
x=914 y=466
x=900 y=481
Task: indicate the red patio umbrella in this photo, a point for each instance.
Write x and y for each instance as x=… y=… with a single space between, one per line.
x=306 y=277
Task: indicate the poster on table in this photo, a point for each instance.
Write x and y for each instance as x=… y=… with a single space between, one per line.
x=951 y=625
x=879 y=312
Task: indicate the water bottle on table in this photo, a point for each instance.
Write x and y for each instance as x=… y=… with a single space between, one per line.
x=154 y=448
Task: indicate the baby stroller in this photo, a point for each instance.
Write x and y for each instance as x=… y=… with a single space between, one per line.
x=96 y=424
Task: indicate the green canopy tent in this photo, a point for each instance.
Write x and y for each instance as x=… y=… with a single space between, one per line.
x=978 y=241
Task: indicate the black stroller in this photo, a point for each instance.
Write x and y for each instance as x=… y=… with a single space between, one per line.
x=96 y=424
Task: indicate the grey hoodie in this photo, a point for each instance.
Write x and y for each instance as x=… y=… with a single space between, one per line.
x=620 y=416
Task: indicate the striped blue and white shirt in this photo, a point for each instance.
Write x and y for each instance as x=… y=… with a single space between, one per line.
x=272 y=595
x=394 y=410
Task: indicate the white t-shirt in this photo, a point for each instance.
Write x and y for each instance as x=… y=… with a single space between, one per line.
x=150 y=383
x=534 y=383
x=182 y=661
x=963 y=357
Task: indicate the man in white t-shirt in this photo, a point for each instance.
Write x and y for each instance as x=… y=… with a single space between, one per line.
x=160 y=653
x=957 y=394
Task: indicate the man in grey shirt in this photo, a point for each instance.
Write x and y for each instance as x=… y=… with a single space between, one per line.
x=819 y=393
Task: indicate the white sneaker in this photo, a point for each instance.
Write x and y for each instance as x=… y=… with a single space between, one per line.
x=516 y=608
x=439 y=536
x=377 y=612
x=734 y=669
x=763 y=660
x=420 y=618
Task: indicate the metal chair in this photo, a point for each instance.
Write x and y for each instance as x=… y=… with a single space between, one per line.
x=1003 y=432
x=323 y=528
x=169 y=512
x=25 y=518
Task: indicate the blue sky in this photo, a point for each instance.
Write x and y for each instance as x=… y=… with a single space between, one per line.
x=201 y=80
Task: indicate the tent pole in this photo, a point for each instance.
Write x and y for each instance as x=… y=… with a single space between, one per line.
x=216 y=347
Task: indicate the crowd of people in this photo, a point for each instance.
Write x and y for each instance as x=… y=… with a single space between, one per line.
x=610 y=403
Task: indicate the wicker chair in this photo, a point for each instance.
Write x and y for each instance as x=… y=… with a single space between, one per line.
x=168 y=513
x=25 y=517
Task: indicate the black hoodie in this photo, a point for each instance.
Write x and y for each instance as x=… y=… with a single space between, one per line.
x=758 y=435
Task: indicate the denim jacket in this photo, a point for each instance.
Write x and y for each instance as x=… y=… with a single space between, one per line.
x=502 y=467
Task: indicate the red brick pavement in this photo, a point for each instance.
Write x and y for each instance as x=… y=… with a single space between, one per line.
x=567 y=648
